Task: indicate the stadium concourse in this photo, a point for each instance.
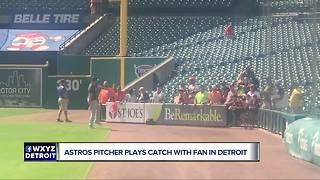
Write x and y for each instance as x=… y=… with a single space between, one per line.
x=275 y=162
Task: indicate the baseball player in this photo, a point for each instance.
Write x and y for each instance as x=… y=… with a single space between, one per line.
x=63 y=100
x=93 y=92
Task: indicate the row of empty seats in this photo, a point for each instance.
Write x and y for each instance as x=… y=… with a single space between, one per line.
x=212 y=4
x=274 y=5
x=145 y=32
x=288 y=5
x=283 y=5
x=83 y=5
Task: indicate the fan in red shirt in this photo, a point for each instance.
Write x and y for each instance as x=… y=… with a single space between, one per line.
x=114 y=108
x=93 y=6
x=103 y=98
x=119 y=95
x=182 y=98
x=215 y=96
x=112 y=93
x=104 y=93
x=229 y=31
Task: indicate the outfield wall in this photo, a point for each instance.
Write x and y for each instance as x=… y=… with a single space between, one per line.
x=28 y=85
x=22 y=58
x=73 y=65
x=168 y=114
x=77 y=87
x=23 y=85
x=157 y=75
x=108 y=68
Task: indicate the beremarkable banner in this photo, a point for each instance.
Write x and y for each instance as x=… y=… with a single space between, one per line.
x=144 y=152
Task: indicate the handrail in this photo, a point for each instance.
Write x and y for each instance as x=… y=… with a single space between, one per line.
x=72 y=38
x=275 y=121
x=63 y=45
x=147 y=74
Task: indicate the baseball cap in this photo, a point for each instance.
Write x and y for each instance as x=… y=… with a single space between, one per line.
x=61 y=81
x=94 y=79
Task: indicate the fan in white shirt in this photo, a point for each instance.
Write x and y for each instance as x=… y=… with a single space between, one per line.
x=252 y=97
x=158 y=96
x=131 y=96
x=193 y=88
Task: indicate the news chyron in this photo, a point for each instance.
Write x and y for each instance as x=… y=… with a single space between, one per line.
x=40 y=152
x=142 y=151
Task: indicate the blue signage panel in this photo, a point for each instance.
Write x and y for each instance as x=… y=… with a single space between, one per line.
x=47 y=20
x=35 y=40
x=3 y=36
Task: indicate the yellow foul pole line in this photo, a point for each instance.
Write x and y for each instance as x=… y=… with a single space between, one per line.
x=123 y=39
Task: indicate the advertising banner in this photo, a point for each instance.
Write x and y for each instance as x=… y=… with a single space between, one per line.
x=127 y=112
x=3 y=36
x=200 y=115
x=35 y=40
x=168 y=114
x=20 y=87
x=138 y=66
x=47 y=20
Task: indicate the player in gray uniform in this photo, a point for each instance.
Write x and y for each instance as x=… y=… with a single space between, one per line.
x=93 y=92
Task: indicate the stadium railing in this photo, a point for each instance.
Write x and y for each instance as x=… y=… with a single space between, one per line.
x=276 y=121
x=73 y=44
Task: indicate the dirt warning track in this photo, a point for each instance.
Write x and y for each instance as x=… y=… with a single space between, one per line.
x=275 y=161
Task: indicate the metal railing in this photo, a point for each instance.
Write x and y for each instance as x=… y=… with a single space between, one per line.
x=67 y=41
x=72 y=38
x=276 y=121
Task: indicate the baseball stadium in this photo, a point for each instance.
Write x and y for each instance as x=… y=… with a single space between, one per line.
x=231 y=84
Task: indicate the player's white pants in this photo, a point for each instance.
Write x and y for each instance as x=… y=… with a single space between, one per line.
x=94 y=108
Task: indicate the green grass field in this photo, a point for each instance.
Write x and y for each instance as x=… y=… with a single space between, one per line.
x=4 y=112
x=14 y=134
